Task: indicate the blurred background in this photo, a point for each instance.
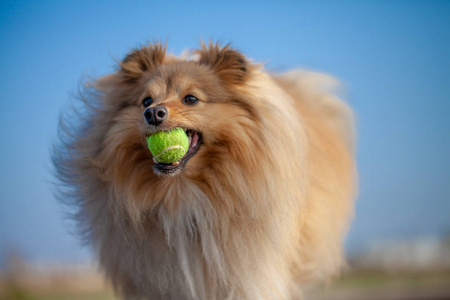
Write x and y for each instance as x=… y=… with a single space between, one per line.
x=393 y=58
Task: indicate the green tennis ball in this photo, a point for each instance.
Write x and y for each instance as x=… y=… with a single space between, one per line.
x=168 y=146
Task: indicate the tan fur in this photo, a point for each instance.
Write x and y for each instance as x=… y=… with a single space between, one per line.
x=261 y=208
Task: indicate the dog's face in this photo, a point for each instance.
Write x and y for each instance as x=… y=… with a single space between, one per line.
x=178 y=95
x=205 y=97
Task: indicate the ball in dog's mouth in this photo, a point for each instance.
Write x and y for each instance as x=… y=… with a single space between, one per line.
x=195 y=140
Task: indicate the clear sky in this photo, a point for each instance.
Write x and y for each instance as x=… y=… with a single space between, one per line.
x=393 y=58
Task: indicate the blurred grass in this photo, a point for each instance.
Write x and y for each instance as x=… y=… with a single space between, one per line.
x=12 y=292
x=358 y=285
x=370 y=284
x=18 y=294
x=374 y=279
x=23 y=282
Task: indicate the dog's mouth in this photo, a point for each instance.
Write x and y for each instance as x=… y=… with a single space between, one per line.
x=195 y=140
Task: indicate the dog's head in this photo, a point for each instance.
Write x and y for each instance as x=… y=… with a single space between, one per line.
x=205 y=95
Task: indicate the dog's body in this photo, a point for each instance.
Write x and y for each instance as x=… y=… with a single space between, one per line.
x=261 y=205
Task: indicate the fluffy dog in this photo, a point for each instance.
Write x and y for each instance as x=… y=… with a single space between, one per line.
x=259 y=204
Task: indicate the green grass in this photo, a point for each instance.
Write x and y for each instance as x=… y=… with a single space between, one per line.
x=23 y=295
x=17 y=293
x=367 y=282
x=363 y=280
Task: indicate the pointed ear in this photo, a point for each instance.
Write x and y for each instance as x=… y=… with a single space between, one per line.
x=229 y=64
x=142 y=60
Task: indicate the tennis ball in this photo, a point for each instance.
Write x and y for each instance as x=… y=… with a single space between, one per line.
x=168 y=146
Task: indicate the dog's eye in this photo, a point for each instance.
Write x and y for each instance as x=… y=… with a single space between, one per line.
x=189 y=99
x=147 y=101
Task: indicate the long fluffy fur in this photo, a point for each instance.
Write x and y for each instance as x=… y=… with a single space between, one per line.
x=261 y=207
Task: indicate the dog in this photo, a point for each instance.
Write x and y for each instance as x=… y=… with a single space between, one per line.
x=257 y=207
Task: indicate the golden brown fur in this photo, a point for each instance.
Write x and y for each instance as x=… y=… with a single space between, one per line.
x=261 y=208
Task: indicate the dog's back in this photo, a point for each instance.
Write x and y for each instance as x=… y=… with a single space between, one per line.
x=317 y=91
x=329 y=126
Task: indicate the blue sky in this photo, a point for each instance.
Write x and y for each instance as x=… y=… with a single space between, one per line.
x=393 y=58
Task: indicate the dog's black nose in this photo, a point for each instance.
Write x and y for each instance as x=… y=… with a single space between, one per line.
x=155 y=115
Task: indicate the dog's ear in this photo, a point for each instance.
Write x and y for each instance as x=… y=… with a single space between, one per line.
x=142 y=60
x=229 y=64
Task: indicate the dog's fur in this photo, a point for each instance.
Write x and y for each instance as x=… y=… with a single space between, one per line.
x=259 y=209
